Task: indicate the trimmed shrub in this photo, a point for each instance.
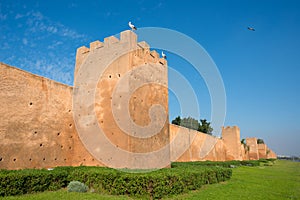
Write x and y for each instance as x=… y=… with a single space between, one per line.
x=76 y=186
x=19 y=182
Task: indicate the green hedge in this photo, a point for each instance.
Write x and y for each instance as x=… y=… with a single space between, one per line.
x=30 y=181
x=226 y=164
x=156 y=184
x=180 y=178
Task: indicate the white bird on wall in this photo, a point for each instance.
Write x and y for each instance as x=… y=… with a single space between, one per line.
x=163 y=55
x=132 y=26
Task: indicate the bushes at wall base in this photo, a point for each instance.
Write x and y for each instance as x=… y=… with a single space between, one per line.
x=226 y=164
x=76 y=186
x=29 y=181
x=170 y=181
x=154 y=184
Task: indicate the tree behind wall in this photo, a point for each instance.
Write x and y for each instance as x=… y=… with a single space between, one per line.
x=260 y=141
x=190 y=123
x=205 y=127
x=176 y=121
x=194 y=124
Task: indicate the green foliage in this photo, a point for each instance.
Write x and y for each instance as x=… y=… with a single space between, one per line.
x=246 y=147
x=156 y=184
x=176 y=121
x=243 y=141
x=227 y=164
x=194 y=124
x=76 y=186
x=205 y=127
x=30 y=181
x=260 y=141
x=190 y=123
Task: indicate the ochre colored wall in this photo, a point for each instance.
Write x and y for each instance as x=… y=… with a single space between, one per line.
x=262 y=150
x=130 y=80
x=253 y=148
x=245 y=152
x=232 y=141
x=190 y=145
x=37 y=127
x=271 y=154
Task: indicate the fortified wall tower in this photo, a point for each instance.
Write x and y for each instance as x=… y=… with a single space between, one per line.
x=121 y=89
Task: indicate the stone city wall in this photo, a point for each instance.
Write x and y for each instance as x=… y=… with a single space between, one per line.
x=36 y=123
x=190 y=145
x=117 y=84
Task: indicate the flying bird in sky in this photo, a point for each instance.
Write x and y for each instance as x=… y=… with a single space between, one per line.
x=251 y=29
x=132 y=26
x=163 y=55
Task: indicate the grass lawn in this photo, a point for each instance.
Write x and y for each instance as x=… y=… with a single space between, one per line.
x=64 y=194
x=280 y=181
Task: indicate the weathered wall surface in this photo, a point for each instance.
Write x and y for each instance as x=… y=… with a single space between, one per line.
x=271 y=154
x=232 y=141
x=245 y=151
x=37 y=127
x=253 y=148
x=262 y=150
x=190 y=145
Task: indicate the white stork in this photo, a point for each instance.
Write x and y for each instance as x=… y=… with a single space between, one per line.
x=132 y=26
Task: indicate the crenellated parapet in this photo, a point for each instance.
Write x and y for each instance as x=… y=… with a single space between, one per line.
x=113 y=45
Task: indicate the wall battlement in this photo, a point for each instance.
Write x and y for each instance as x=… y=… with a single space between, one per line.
x=128 y=41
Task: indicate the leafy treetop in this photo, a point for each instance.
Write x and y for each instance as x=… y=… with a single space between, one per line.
x=191 y=123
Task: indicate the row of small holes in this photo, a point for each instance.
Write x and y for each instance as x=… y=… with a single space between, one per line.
x=31 y=159
x=58 y=134
x=68 y=110
x=13 y=159
x=119 y=75
x=60 y=146
x=91 y=160
x=45 y=159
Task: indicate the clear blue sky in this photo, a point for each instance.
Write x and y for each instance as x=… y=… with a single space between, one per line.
x=260 y=69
